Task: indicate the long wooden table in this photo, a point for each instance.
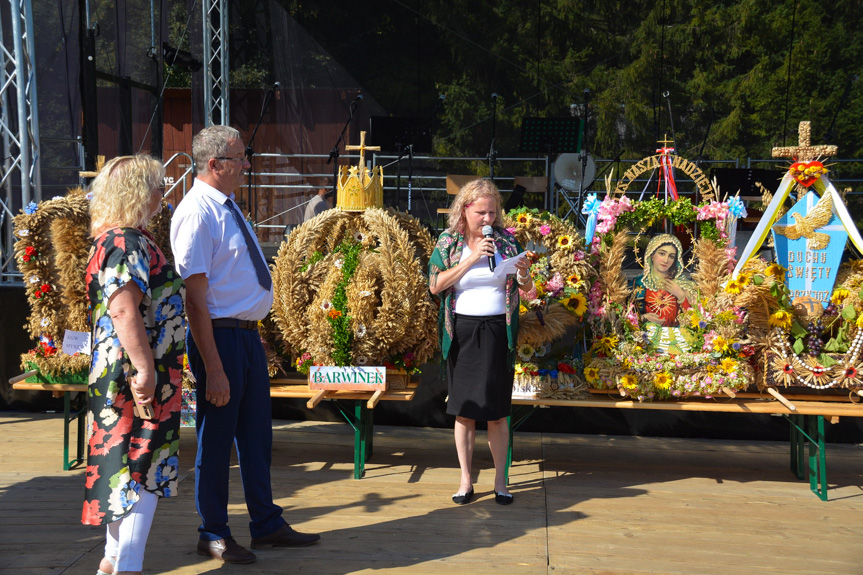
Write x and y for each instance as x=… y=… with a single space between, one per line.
x=359 y=414
x=806 y=420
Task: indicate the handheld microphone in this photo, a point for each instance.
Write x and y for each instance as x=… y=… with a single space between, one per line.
x=488 y=231
x=357 y=101
x=277 y=89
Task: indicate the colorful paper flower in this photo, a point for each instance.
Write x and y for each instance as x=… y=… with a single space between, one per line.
x=31 y=208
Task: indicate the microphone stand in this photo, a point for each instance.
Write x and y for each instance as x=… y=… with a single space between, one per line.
x=250 y=151
x=410 y=174
x=334 y=153
x=492 y=153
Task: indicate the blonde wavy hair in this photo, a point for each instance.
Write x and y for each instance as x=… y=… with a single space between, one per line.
x=471 y=192
x=122 y=192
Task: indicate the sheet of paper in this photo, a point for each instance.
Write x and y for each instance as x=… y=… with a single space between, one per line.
x=507 y=267
x=76 y=342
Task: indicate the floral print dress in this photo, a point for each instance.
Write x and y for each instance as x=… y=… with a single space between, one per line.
x=126 y=453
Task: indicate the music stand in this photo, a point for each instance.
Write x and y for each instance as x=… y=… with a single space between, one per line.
x=393 y=133
x=405 y=136
x=550 y=136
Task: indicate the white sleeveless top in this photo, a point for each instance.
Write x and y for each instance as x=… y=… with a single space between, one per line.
x=478 y=292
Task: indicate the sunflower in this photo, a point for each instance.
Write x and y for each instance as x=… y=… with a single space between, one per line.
x=525 y=351
x=576 y=303
x=523 y=220
x=839 y=296
x=591 y=374
x=733 y=286
x=775 y=271
x=572 y=280
x=629 y=382
x=721 y=344
x=743 y=279
x=564 y=242
x=662 y=380
x=780 y=318
x=606 y=344
x=729 y=365
x=859 y=320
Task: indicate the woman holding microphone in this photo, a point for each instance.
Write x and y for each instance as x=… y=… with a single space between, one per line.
x=478 y=325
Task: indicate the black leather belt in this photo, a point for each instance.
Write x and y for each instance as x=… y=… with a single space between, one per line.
x=235 y=323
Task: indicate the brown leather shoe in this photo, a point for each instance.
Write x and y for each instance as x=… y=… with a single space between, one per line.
x=285 y=536
x=226 y=550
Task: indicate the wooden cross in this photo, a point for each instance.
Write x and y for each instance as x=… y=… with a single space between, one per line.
x=362 y=148
x=100 y=163
x=803 y=151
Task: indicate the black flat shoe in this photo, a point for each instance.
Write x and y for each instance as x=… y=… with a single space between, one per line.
x=463 y=499
x=503 y=498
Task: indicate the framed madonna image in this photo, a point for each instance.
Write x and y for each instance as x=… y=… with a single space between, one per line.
x=663 y=292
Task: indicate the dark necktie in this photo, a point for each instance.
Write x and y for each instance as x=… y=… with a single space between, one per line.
x=257 y=261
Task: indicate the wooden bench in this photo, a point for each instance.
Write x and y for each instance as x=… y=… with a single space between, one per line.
x=359 y=414
x=806 y=420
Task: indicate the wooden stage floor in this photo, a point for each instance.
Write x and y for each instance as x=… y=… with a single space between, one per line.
x=584 y=504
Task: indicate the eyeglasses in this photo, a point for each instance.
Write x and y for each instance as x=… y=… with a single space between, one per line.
x=224 y=159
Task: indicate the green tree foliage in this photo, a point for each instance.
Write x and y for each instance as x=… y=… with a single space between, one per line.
x=724 y=64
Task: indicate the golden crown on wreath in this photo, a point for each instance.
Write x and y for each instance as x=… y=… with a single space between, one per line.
x=359 y=188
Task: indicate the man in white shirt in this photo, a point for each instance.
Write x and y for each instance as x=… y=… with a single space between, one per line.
x=317 y=204
x=228 y=290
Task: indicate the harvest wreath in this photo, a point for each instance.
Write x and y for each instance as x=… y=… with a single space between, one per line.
x=350 y=289
x=665 y=335
x=52 y=250
x=561 y=272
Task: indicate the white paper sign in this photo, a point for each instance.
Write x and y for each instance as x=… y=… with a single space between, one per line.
x=507 y=267
x=76 y=342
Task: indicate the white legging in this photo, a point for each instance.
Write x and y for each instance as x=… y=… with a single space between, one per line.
x=127 y=537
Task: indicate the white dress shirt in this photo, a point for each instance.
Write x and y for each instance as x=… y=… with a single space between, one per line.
x=205 y=239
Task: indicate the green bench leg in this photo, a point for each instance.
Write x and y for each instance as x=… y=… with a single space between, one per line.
x=797 y=443
x=362 y=422
x=809 y=428
x=513 y=426
x=817 y=457
x=79 y=405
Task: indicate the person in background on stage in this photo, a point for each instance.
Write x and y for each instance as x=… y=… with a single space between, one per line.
x=317 y=204
x=478 y=326
x=228 y=291
x=136 y=302
x=663 y=291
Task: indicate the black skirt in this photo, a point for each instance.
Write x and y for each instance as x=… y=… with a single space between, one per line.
x=479 y=377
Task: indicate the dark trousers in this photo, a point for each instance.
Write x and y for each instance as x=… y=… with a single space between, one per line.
x=247 y=421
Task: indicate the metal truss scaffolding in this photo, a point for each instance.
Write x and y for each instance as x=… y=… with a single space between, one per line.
x=216 y=100
x=19 y=128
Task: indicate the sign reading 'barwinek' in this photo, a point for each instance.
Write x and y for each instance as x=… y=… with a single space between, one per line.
x=353 y=378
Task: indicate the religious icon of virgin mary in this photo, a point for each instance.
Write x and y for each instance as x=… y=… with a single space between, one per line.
x=663 y=292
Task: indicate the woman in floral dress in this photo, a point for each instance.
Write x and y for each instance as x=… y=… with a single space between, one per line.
x=136 y=302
